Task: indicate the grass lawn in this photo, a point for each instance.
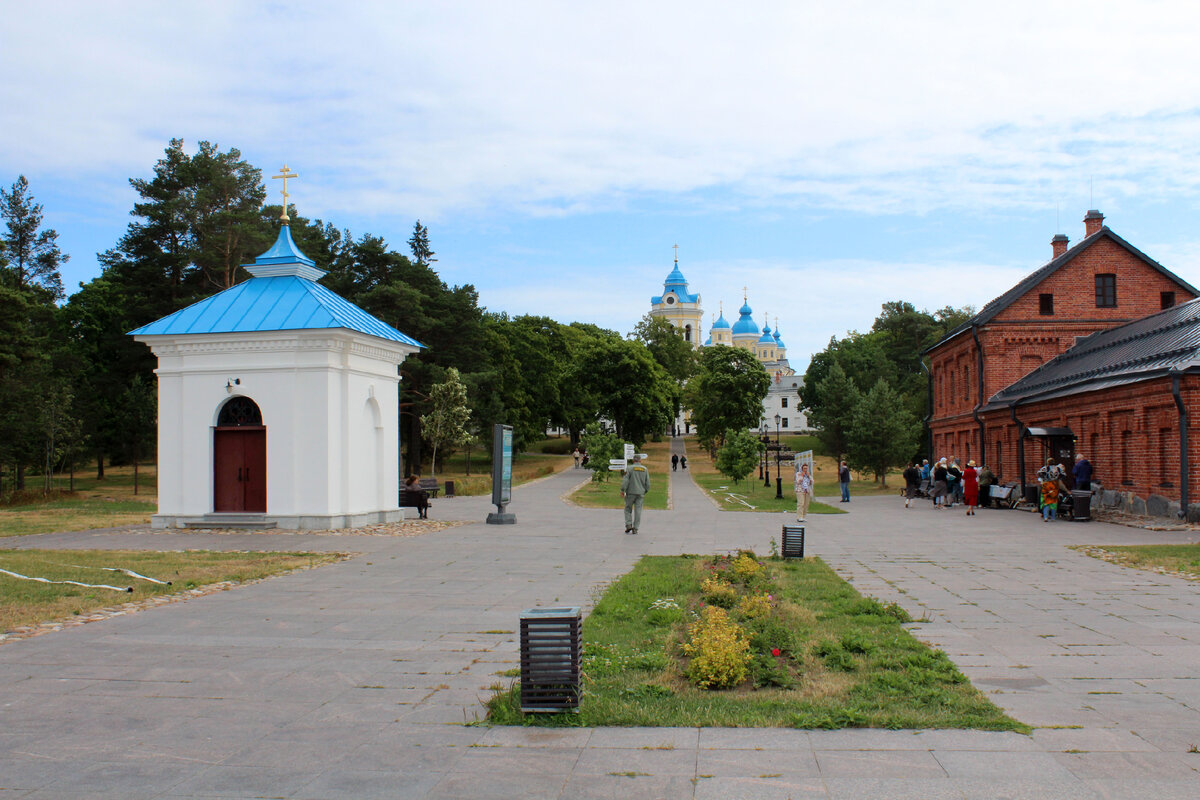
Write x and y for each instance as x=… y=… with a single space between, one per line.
x=750 y=494
x=526 y=467
x=825 y=657
x=25 y=602
x=608 y=494
x=1171 y=559
x=111 y=502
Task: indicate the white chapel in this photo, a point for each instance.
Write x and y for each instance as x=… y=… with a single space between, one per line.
x=277 y=403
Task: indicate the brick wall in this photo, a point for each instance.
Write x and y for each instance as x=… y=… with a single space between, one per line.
x=1020 y=338
x=1129 y=433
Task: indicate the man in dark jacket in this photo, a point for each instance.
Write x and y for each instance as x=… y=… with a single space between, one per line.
x=1082 y=473
x=844 y=480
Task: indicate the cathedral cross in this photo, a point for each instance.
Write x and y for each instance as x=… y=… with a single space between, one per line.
x=676 y=254
x=285 y=174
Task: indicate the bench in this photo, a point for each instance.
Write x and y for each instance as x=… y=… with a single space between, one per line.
x=429 y=485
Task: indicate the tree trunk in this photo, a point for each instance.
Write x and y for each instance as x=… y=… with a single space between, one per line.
x=100 y=465
x=20 y=485
x=135 y=476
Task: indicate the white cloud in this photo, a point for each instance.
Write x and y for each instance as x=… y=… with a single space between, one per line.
x=547 y=107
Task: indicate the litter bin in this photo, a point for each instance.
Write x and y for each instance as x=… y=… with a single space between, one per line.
x=449 y=488
x=551 y=659
x=1033 y=494
x=1081 y=502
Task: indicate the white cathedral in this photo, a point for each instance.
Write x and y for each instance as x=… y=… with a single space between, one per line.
x=683 y=310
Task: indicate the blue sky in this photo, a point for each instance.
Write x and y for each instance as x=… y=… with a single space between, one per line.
x=830 y=157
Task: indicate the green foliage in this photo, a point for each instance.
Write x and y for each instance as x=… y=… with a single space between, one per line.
x=667 y=346
x=891 y=351
x=882 y=432
x=446 y=423
x=726 y=393
x=601 y=447
x=718 y=592
x=740 y=454
x=628 y=386
x=30 y=255
x=834 y=399
x=719 y=650
x=419 y=245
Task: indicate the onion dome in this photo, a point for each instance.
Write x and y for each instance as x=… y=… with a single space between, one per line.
x=745 y=325
x=720 y=324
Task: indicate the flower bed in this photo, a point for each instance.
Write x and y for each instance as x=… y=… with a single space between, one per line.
x=746 y=642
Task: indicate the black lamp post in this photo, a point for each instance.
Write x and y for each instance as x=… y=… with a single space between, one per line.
x=762 y=438
x=778 y=477
x=766 y=439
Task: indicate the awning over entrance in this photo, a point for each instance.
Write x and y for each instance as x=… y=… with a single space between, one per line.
x=1049 y=432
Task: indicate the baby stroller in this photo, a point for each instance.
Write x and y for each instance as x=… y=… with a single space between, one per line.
x=925 y=489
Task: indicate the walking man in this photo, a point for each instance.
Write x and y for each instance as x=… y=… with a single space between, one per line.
x=634 y=486
x=674 y=461
x=844 y=480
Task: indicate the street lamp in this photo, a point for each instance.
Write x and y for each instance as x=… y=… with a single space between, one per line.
x=778 y=477
x=762 y=438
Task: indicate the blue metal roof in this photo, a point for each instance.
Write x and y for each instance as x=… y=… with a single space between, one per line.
x=676 y=283
x=278 y=303
x=720 y=323
x=745 y=324
x=282 y=296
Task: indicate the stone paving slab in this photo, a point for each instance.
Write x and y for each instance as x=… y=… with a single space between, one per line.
x=356 y=680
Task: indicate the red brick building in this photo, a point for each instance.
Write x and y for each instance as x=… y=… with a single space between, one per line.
x=1012 y=367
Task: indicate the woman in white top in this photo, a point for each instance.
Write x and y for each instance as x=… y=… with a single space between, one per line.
x=804 y=487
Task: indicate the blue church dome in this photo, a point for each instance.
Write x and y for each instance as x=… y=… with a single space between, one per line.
x=676 y=283
x=720 y=324
x=767 y=338
x=745 y=324
x=778 y=342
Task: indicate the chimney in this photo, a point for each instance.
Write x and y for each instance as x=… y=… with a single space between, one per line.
x=1092 y=222
x=1058 y=245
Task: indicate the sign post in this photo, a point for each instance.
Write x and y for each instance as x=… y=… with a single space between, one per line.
x=502 y=441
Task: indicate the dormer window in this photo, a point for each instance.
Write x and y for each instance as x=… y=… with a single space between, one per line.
x=1046 y=305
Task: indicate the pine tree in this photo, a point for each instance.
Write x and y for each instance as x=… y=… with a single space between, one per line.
x=882 y=433
x=419 y=244
x=32 y=256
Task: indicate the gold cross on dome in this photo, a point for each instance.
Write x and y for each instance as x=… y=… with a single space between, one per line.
x=285 y=174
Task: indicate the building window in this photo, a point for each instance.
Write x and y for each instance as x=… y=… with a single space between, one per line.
x=1168 y=299
x=1126 y=473
x=783 y=402
x=687 y=333
x=670 y=300
x=783 y=422
x=1106 y=290
x=1165 y=452
x=1046 y=305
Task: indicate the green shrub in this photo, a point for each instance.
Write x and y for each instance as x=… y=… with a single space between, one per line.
x=556 y=447
x=746 y=567
x=856 y=643
x=767 y=670
x=717 y=591
x=719 y=649
x=755 y=606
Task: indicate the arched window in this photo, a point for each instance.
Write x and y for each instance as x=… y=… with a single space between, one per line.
x=238 y=412
x=687 y=333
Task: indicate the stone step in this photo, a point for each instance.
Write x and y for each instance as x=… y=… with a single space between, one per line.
x=230 y=520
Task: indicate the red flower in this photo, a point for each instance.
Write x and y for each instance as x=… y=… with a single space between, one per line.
x=774 y=651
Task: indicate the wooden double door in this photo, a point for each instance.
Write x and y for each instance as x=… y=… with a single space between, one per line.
x=240 y=469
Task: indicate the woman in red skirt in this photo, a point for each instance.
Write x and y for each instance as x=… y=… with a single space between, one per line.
x=971 y=488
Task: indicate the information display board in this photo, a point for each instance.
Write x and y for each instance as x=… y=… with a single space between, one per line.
x=502 y=453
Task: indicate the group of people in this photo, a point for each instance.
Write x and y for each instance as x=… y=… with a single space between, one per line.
x=949 y=483
x=1052 y=485
x=678 y=461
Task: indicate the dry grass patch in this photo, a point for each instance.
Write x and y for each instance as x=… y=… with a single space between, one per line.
x=24 y=603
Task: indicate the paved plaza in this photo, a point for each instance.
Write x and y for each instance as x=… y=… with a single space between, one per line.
x=357 y=679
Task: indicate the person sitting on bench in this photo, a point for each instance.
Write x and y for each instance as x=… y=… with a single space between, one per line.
x=416 y=497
